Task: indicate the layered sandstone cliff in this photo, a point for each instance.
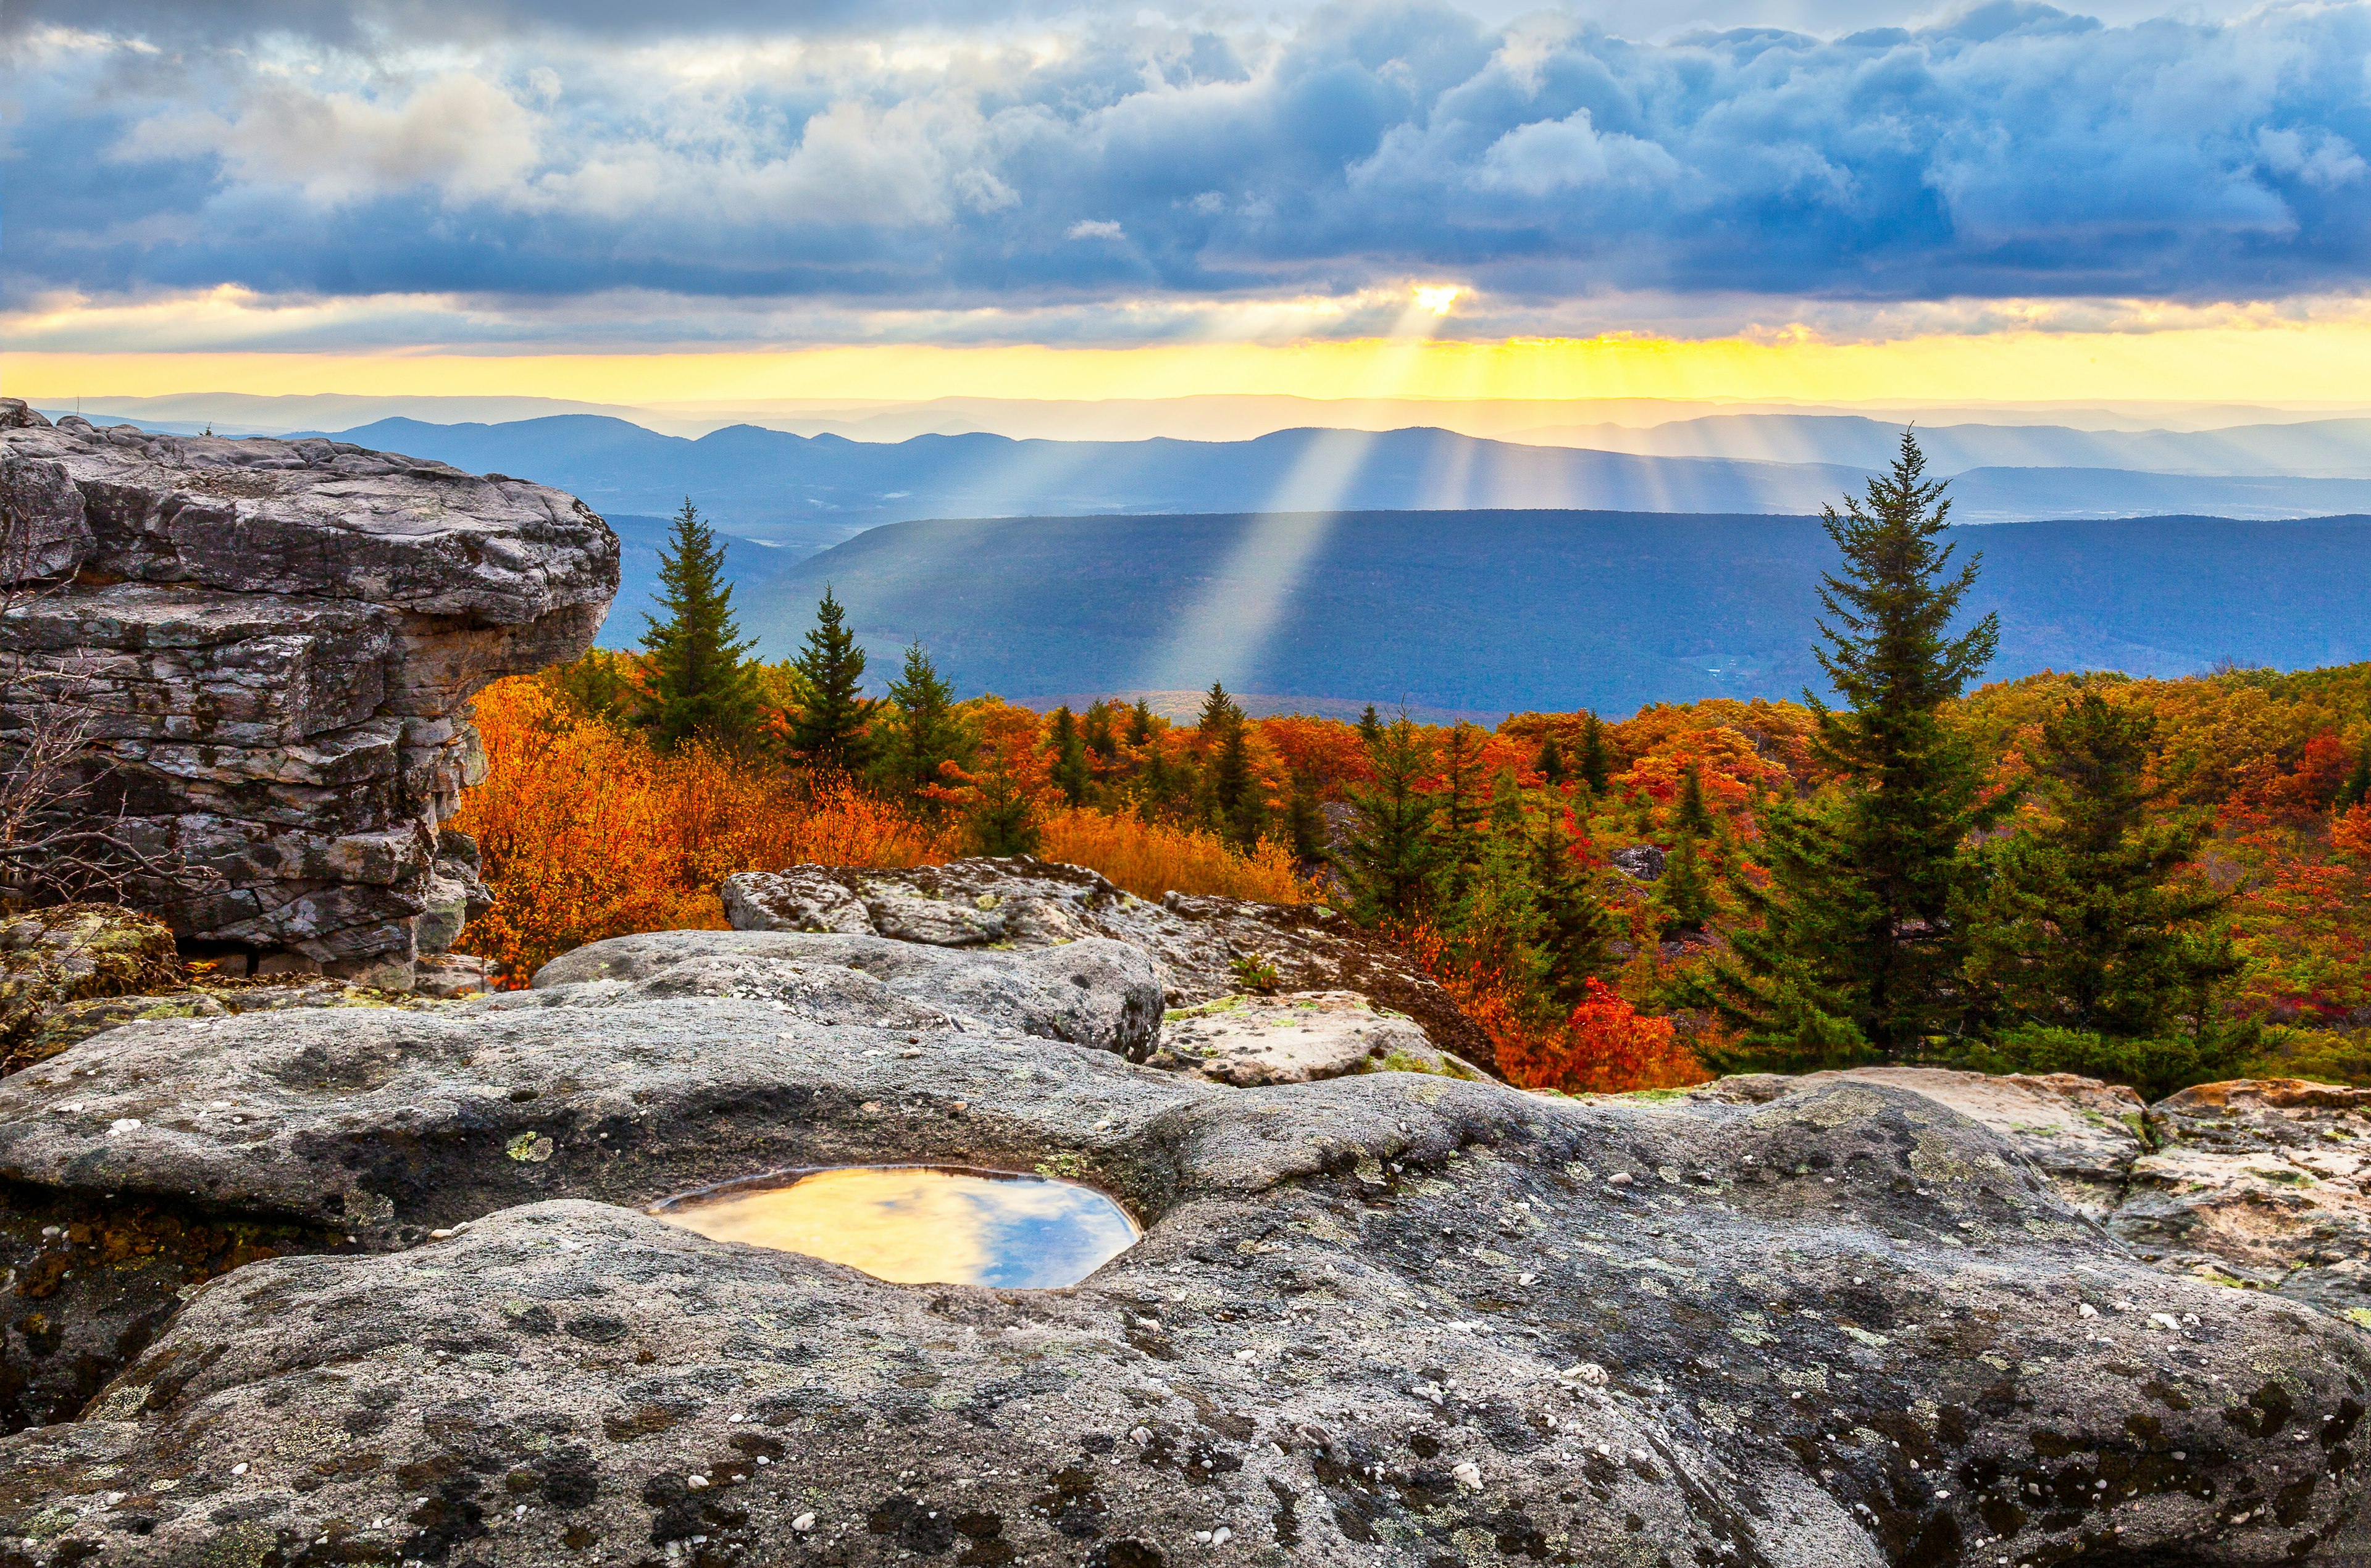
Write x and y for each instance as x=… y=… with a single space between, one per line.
x=272 y=646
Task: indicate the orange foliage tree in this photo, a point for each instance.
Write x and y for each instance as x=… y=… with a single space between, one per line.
x=587 y=832
x=1605 y=1046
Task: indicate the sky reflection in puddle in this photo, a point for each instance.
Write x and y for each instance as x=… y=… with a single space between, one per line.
x=917 y=1225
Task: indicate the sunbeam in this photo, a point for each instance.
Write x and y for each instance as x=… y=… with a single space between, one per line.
x=1224 y=634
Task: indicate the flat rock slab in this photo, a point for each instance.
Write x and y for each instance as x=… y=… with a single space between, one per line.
x=1199 y=946
x=2083 y=1134
x=2262 y=1182
x=1091 y=991
x=314 y=517
x=1387 y=1318
x=1254 y=1041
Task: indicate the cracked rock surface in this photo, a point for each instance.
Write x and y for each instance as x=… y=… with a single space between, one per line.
x=1389 y=1317
x=273 y=645
x=2260 y=1182
x=1196 y=944
x=1298 y=1038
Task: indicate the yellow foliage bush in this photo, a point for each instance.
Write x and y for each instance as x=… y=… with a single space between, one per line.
x=1149 y=858
x=587 y=832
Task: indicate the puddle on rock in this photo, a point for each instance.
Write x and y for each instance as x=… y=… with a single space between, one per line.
x=921 y=1225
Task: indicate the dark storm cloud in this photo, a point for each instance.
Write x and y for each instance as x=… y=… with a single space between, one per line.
x=2011 y=150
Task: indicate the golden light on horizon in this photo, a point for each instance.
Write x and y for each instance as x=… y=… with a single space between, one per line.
x=2306 y=363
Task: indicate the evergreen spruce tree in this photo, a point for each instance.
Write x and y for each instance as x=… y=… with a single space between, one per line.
x=1370 y=728
x=1496 y=920
x=700 y=682
x=1691 y=817
x=1232 y=806
x=1684 y=895
x=2357 y=788
x=1003 y=821
x=1095 y=729
x=1596 y=766
x=1462 y=804
x=1550 y=763
x=1578 y=934
x=1305 y=825
x=1850 y=946
x=1389 y=859
x=830 y=733
x=925 y=731
x=1140 y=724
x=2081 y=925
x=1069 y=772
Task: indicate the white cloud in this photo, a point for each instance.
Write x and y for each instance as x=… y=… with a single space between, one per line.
x=456 y=134
x=1558 y=154
x=1095 y=228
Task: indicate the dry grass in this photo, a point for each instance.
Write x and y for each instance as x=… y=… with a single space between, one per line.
x=1150 y=860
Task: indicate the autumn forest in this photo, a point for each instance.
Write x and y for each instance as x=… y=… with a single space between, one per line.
x=2155 y=882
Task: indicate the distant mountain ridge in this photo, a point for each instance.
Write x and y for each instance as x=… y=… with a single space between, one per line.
x=1499 y=610
x=812 y=491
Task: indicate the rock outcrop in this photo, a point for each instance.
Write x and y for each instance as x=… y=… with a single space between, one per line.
x=272 y=645
x=2260 y=1183
x=1204 y=948
x=2255 y=1184
x=1390 y=1317
x=1251 y=1040
x=53 y=958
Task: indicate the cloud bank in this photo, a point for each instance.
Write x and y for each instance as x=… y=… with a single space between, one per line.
x=540 y=159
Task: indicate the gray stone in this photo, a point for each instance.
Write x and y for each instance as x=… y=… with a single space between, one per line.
x=270 y=648
x=1091 y=992
x=2084 y=1135
x=1254 y=1041
x=1387 y=1318
x=1199 y=945
x=448 y=975
x=2260 y=1184
x=1641 y=862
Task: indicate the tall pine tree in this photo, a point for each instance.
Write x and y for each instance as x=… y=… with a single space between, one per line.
x=1579 y=934
x=1594 y=765
x=1070 y=748
x=924 y=730
x=701 y=682
x=830 y=732
x=1850 y=946
x=1232 y=805
x=2081 y=924
x=1690 y=816
x=1389 y=859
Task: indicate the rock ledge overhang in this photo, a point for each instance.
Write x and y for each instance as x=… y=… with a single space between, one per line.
x=274 y=644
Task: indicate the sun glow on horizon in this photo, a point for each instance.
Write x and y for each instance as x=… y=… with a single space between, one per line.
x=2302 y=363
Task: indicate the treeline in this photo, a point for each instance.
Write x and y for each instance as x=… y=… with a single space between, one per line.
x=2128 y=877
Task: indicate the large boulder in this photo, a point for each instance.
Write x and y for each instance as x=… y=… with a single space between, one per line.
x=1090 y=992
x=2082 y=1134
x=51 y=959
x=1255 y=1040
x=270 y=647
x=1386 y=1318
x=1205 y=948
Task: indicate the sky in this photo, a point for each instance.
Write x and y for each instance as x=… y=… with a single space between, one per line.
x=1832 y=200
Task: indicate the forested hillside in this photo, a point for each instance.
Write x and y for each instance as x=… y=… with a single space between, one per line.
x=1495 y=611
